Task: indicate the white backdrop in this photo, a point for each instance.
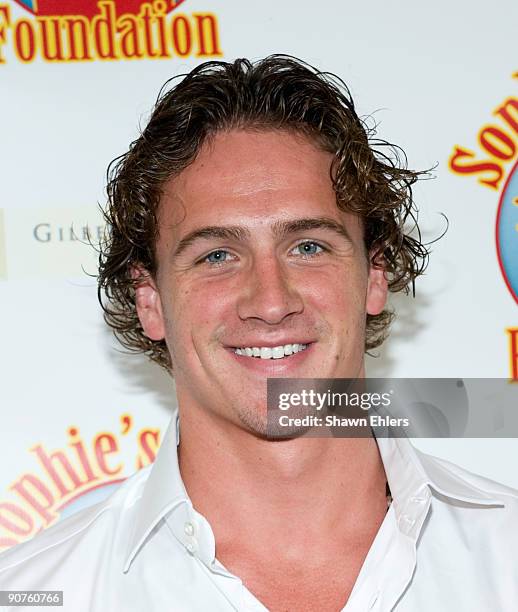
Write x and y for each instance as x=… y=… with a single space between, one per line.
x=433 y=75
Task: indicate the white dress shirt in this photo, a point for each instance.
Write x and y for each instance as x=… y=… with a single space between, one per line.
x=449 y=543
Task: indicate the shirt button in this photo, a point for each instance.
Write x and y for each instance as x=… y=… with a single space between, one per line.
x=418 y=500
x=189 y=529
x=192 y=546
x=408 y=521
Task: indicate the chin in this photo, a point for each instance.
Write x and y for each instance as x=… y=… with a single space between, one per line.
x=253 y=419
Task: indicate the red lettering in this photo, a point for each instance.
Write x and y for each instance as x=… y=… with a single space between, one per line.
x=5 y=14
x=126 y=422
x=149 y=442
x=104 y=30
x=513 y=351
x=81 y=453
x=77 y=29
x=129 y=42
x=106 y=444
x=19 y=523
x=48 y=464
x=24 y=38
x=146 y=15
x=207 y=22
x=182 y=40
x=497 y=143
x=52 y=49
x=509 y=113
x=485 y=167
x=35 y=493
x=160 y=11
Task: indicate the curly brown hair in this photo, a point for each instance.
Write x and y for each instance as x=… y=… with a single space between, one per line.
x=370 y=176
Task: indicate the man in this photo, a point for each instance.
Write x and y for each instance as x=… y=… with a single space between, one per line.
x=254 y=233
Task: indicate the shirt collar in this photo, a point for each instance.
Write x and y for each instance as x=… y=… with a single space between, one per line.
x=408 y=470
x=409 y=473
x=163 y=492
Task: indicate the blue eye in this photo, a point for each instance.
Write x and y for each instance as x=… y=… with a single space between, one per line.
x=216 y=257
x=309 y=248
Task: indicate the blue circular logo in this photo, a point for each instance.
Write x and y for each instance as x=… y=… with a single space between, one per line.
x=507 y=232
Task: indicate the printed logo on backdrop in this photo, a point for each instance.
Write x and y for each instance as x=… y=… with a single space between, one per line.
x=88 y=30
x=495 y=166
x=50 y=242
x=67 y=479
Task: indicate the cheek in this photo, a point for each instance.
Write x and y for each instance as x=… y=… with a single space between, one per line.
x=196 y=310
x=341 y=294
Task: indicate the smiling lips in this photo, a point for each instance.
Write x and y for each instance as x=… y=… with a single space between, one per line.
x=274 y=352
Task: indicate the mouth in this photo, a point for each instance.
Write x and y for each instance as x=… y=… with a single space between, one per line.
x=282 y=351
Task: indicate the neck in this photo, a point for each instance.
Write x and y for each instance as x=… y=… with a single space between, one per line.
x=261 y=491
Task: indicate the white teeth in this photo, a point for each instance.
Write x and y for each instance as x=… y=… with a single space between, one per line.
x=278 y=352
x=266 y=352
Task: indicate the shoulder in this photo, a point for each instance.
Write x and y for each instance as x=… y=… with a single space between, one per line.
x=66 y=548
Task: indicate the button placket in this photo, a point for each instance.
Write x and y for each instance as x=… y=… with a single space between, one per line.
x=190 y=541
x=413 y=511
x=189 y=529
x=191 y=546
x=419 y=500
x=406 y=522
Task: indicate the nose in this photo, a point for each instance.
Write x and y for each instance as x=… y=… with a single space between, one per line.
x=269 y=295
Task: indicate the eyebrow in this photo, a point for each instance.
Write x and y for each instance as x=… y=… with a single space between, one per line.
x=223 y=232
x=280 y=229
x=283 y=229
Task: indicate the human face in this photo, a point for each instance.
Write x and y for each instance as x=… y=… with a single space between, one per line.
x=253 y=252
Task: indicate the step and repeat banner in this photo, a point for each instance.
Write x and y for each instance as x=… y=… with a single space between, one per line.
x=78 y=78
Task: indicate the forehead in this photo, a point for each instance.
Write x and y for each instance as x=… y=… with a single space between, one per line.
x=258 y=174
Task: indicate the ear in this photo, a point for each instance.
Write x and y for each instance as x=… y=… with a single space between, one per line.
x=377 y=288
x=148 y=303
